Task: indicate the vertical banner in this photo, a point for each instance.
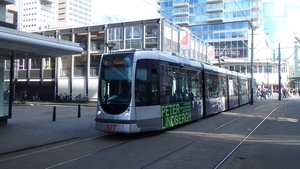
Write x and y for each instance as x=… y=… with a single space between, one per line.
x=184 y=39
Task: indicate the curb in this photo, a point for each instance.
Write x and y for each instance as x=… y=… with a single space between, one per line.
x=90 y=104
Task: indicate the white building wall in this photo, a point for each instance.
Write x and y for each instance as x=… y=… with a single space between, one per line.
x=37 y=15
x=93 y=89
x=78 y=86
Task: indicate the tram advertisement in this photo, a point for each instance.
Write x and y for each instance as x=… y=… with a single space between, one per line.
x=176 y=114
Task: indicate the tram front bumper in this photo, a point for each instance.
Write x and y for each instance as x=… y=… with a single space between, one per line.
x=117 y=127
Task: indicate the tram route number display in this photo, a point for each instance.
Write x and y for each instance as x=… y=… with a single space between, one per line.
x=175 y=114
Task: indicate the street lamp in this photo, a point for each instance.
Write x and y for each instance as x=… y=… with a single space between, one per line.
x=279 y=74
x=110 y=46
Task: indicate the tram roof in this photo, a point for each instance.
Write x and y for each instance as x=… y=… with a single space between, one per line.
x=29 y=45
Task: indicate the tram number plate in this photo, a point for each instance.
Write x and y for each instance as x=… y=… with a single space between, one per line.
x=111 y=126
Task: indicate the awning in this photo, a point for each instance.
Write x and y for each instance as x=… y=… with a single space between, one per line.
x=29 y=45
x=294 y=79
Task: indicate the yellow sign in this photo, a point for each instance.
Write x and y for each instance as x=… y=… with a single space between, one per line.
x=118 y=62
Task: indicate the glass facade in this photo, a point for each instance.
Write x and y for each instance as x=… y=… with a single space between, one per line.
x=281 y=26
x=223 y=24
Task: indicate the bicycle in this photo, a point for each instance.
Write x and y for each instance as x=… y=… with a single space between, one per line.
x=79 y=98
x=19 y=97
x=63 y=97
x=36 y=98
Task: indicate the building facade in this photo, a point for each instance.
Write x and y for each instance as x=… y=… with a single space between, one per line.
x=39 y=15
x=283 y=28
x=78 y=74
x=17 y=46
x=36 y=15
x=231 y=27
x=225 y=24
x=74 y=12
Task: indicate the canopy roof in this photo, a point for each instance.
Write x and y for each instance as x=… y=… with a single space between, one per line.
x=29 y=45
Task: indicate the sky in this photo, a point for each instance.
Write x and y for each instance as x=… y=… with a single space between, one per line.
x=123 y=10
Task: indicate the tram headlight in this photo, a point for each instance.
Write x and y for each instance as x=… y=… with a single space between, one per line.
x=127 y=112
x=98 y=110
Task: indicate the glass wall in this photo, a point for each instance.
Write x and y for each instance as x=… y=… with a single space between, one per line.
x=115 y=35
x=66 y=66
x=133 y=37
x=257 y=68
x=97 y=41
x=151 y=36
x=80 y=61
x=94 y=64
x=82 y=39
x=80 y=65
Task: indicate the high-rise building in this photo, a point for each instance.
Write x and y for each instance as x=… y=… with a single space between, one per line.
x=280 y=19
x=235 y=28
x=74 y=13
x=225 y=24
x=39 y=15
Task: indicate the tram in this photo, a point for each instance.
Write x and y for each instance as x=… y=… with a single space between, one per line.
x=150 y=90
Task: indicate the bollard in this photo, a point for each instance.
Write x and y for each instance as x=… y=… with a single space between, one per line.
x=79 y=111
x=54 y=114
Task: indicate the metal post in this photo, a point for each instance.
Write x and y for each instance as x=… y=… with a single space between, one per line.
x=268 y=75
x=206 y=53
x=279 y=73
x=54 y=114
x=252 y=51
x=296 y=60
x=219 y=55
x=79 y=111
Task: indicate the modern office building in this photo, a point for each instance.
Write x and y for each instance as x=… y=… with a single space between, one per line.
x=17 y=45
x=39 y=15
x=231 y=26
x=280 y=19
x=74 y=13
x=225 y=24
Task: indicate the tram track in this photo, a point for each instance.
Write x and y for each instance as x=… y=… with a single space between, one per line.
x=227 y=155
x=83 y=150
x=43 y=150
x=241 y=142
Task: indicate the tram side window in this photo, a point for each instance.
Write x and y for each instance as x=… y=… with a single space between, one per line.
x=146 y=84
x=196 y=89
x=243 y=87
x=233 y=86
x=223 y=86
x=166 y=81
x=178 y=84
x=181 y=85
x=212 y=85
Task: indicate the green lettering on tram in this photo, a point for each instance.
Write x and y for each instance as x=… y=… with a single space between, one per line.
x=175 y=114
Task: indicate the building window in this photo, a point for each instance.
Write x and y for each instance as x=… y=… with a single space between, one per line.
x=35 y=63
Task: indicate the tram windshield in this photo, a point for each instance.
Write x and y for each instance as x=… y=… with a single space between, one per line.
x=115 y=79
